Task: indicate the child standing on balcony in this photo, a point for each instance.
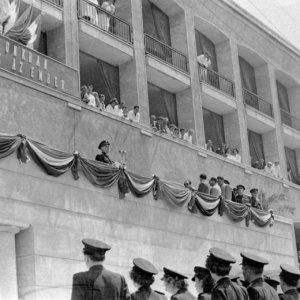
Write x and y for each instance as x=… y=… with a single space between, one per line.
x=104 y=18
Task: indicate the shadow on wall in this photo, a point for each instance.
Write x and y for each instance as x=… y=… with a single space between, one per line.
x=280 y=204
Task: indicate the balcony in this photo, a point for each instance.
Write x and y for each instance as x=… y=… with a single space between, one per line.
x=166 y=67
x=104 y=35
x=259 y=113
x=218 y=92
x=59 y=3
x=291 y=129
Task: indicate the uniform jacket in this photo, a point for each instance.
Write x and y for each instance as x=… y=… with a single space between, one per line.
x=183 y=295
x=260 y=290
x=104 y=158
x=203 y=188
x=290 y=295
x=226 y=191
x=242 y=199
x=204 y=296
x=99 y=284
x=146 y=293
x=225 y=289
x=255 y=203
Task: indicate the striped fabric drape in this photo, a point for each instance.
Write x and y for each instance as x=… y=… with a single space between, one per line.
x=57 y=163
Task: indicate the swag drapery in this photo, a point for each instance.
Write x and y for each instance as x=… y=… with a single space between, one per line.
x=256 y=146
x=57 y=163
x=214 y=128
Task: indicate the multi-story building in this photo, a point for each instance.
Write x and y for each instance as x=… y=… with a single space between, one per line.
x=145 y=54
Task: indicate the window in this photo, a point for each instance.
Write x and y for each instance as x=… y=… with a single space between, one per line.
x=256 y=147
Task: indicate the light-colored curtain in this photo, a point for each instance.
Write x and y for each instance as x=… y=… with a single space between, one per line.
x=162 y=103
x=291 y=161
x=214 y=128
x=248 y=82
x=283 y=99
x=256 y=146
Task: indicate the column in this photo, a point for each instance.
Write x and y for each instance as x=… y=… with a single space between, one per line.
x=8 y=270
x=241 y=110
x=196 y=103
x=277 y=118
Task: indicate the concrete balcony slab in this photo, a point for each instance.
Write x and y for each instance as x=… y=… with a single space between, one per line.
x=291 y=137
x=165 y=76
x=217 y=101
x=103 y=45
x=258 y=121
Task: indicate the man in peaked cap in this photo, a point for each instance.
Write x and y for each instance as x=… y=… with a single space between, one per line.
x=176 y=285
x=219 y=264
x=203 y=283
x=240 y=197
x=98 y=283
x=253 y=267
x=272 y=280
x=142 y=275
x=103 y=157
x=254 y=201
x=289 y=278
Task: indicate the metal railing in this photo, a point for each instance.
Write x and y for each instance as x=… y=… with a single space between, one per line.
x=256 y=102
x=104 y=20
x=216 y=80
x=290 y=120
x=59 y=3
x=166 y=53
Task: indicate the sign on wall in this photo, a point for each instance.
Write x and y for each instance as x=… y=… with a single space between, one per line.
x=37 y=67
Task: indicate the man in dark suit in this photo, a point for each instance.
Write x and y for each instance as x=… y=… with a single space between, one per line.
x=253 y=267
x=103 y=157
x=219 y=264
x=98 y=283
x=240 y=197
x=254 y=201
x=289 y=279
x=142 y=275
x=203 y=186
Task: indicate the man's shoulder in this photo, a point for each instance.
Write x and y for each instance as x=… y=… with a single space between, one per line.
x=109 y=274
x=81 y=275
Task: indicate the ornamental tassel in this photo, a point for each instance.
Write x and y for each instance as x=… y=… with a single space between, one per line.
x=74 y=168
x=22 y=152
x=248 y=217
x=191 y=204
x=272 y=218
x=155 y=189
x=221 y=207
x=123 y=185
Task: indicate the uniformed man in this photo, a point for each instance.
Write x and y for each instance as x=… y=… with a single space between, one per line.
x=289 y=279
x=240 y=197
x=254 y=201
x=98 y=283
x=203 y=283
x=103 y=157
x=142 y=275
x=219 y=264
x=176 y=285
x=253 y=267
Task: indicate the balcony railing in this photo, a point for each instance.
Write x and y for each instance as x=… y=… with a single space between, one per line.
x=290 y=120
x=59 y=3
x=256 y=102
x=166 y=53
x=104 y=20
x=217 y=81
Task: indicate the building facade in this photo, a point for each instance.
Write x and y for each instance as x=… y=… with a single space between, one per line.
x=145 y=54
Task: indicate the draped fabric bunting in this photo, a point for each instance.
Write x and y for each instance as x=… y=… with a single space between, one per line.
x=56 y=163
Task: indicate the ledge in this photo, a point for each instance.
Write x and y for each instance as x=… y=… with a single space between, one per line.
x=74 y=106
x=286 y=186
x=248 y=172
x=146 y=133
x=202 y=154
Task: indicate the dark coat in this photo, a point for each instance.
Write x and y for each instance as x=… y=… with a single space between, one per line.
x=99 y=284
x=260 y=290
x=204 y=296
x=255 y=203
x=225 y=289
x=203 y=188
x=290 y=295
x=147 y=294
x=104 y=158
x=183 y=295
x=242 y=199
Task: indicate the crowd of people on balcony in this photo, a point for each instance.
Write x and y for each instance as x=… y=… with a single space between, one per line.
x=92 y=98
x=212 y=281
x=161 y=125
x=270 y=168
x=232 y=154
x=219 y=186
x=97 y=16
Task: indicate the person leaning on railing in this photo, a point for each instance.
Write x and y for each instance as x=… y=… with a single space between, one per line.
x=204 y=62
x=104 y=18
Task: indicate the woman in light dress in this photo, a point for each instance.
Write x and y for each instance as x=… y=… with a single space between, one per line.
x=105 y=18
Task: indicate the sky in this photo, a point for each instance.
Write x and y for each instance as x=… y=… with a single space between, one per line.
x=282 y=16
